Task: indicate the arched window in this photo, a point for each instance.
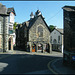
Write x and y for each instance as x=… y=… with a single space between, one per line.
x=51 y=39
x=58 y=39
x=54 y=41
x=40 y=31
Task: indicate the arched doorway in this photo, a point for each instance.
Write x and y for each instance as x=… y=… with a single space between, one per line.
x=10 y=43
x=34 y=47
x=40 y=47
x=47 y=48
x=28 y=48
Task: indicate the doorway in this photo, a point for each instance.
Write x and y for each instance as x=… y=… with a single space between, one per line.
x=40 y=47
x=47 y=48
x=33 y=48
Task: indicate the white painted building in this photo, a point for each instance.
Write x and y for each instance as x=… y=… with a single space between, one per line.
x=11 y=19
x=57 y=39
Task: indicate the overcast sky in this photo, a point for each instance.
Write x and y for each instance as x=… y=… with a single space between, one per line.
x=51 y=10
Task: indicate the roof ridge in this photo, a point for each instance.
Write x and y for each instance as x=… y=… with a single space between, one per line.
x=68 y=6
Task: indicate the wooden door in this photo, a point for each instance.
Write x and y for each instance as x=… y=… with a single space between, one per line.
x=33 y=48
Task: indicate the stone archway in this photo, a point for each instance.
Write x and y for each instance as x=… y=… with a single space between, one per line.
x=10 y=42
x=40 y=47
x=47 y=47
x=33 y=47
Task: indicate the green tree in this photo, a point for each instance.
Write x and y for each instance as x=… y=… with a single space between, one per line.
x=52 y=27
x=14 y=26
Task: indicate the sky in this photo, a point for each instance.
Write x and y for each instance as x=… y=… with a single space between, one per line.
x=51 y=10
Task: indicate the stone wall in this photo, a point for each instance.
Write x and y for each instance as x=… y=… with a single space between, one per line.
x=67 y=32
x=33 y=32
x=4 y=33
x=34 y=35
x=1 y=34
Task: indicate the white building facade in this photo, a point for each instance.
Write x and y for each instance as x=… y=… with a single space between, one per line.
x=56 y=39
x=11 y=20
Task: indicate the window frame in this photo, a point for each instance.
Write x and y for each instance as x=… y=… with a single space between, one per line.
x=41 y=31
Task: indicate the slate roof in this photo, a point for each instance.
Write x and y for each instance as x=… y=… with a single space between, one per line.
x=69 y=8
x=30 y=23
x=11 y=10
x=3 y=9
x=59 y=30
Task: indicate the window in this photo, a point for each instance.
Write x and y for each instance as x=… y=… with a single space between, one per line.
x=0 y=26
x=58 y=39
x=54 y=32
x=40 y=31
x=51 y=39
x=55 y=41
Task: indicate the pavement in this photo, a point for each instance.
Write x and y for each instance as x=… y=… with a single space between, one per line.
x=56 y=65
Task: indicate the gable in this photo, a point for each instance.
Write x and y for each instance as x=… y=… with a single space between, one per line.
x=9 y=10
x=39 y=21
x=39 y=31
x=59 y=30
x=55 y=35
x=55 y=32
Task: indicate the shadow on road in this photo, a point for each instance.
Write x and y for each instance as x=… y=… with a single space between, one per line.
x=23 y=63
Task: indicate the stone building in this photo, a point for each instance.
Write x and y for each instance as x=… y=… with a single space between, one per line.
x=57 y=39
x=34 y=34
x=69 y=28
x=69 y=35
x=4 y=29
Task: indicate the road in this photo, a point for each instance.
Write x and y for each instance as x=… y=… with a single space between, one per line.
x=26 y=64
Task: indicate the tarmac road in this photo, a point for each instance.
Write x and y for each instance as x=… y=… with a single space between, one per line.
x=26 y=64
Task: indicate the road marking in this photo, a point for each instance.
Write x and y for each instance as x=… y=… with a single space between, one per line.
x=48 y=65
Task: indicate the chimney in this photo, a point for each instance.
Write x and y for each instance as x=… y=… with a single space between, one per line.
x=31 y=15
x=37 y=13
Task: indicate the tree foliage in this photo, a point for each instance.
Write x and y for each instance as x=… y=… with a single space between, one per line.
x=14 y=26
x=52 y=27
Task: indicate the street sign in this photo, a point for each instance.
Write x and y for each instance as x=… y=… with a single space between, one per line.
x=73 y=58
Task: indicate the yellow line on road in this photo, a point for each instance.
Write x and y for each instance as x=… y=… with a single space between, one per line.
x=48 y=65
